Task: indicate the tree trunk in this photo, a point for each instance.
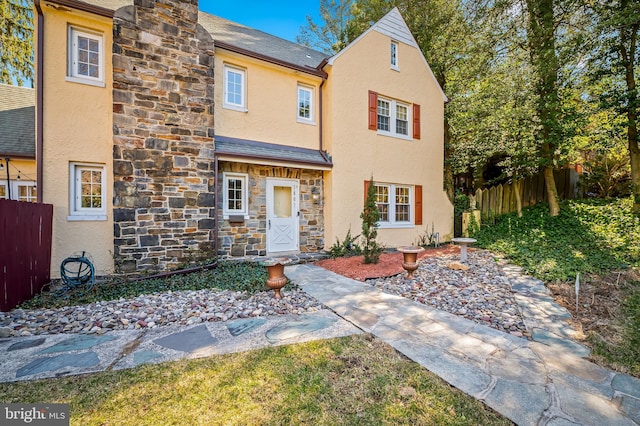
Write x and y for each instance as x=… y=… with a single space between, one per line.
x=628 y=40
x=552 y=192
x=517 y=188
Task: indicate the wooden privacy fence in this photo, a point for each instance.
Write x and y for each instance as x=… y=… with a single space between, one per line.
x=501 y=199
x=25 y=250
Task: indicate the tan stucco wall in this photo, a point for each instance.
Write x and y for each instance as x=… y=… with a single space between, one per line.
x=24 y=167
x=77 y=120
x=358 y=153
x=271 y=103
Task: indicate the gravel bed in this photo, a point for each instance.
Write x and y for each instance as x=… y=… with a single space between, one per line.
x=482 y=294
x=154 y=310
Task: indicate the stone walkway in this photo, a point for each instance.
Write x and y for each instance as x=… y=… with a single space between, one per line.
x=544 y=381
x=541 y=382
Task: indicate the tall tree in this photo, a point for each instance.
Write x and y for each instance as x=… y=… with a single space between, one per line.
x=329 y=35
x=16 y=42
x=618 y=60
x=542 y=48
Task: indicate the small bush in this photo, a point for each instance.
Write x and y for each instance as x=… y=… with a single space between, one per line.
x=347 y=247
x=370 y=216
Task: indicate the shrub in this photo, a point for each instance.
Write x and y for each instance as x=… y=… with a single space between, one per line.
x=370 y=216
x=347 y=247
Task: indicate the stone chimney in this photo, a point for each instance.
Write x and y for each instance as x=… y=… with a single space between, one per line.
x=164 y=174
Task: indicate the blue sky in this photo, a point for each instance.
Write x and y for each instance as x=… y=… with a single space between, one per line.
x=282 y=18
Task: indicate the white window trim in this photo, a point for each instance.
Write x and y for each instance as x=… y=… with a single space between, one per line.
x=226 y=212
x=392 y=121
x=15 y=191
x=72 y=53
x=395 y=66
x=310 y=90
x=243 y=72
x=391 y=223
x=77 y=213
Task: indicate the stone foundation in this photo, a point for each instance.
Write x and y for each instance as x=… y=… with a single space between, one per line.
x=164 y=178
x=249 y=238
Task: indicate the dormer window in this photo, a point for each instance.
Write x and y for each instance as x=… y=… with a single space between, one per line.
x=394 y=55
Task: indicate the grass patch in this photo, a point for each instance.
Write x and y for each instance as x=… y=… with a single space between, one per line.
x=350 y=380
x=249 y=277
x=587 y=237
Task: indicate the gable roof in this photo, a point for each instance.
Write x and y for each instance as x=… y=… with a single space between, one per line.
x=393 y=26
x=17 y=121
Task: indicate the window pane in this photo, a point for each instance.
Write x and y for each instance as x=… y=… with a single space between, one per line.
x=234 y=194
x=383 y=115
x=382 y=202
x=394 y=54
x=90 y=189
x=234 y=87
x=3 y=191
x=304 y=103
x=403 y=208
x=402 y=124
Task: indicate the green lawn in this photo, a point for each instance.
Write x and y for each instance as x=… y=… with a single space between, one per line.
x=353 y=380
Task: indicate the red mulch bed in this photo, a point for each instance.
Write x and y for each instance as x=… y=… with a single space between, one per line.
x=388 y=265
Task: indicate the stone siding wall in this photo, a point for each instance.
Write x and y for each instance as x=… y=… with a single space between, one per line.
x=249 y=237
x=164 y=178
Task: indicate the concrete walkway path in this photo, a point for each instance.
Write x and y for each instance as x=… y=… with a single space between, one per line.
x=541 y=382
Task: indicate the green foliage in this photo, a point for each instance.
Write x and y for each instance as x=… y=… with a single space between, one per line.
x=347 y=247
x=589 y=236
x=235 y=276
x=370 y=216
x=16 y=41
x=474 y=226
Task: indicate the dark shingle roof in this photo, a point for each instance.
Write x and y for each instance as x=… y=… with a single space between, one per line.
x=247 y=150
x=17 y=121
x=238 y=35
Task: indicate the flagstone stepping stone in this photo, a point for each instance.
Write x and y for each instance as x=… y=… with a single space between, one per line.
x=141 y=357
x=81 y=360
x=26 y=344
x=550 y=339
x=190 y=340
x=240 y=326
x=77 y=343
x=295 y=328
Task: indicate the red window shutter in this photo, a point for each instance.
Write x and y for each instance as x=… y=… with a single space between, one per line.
x=373 y=110
x=366 y=189
x=418 y=204
x=416 y=121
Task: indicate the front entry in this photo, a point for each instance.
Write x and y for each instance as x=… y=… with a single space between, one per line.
x=282 y=215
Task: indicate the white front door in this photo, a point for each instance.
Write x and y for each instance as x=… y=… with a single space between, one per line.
x=282 y=215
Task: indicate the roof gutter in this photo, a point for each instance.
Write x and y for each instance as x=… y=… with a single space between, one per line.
x=39 y=98
x=308 y=70
x=75 y=4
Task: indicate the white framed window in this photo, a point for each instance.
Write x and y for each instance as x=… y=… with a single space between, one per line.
x=235 y=196
x=305 y=104
x=87 y=192
x=26 y=191
x=393 y=118
x=396 y=205
x=394 y=55
x=85 y=57
x=235 y=88
x=21 y=190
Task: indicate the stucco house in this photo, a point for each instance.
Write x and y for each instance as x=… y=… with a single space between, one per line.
x=167 y=134
x=17 y=143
